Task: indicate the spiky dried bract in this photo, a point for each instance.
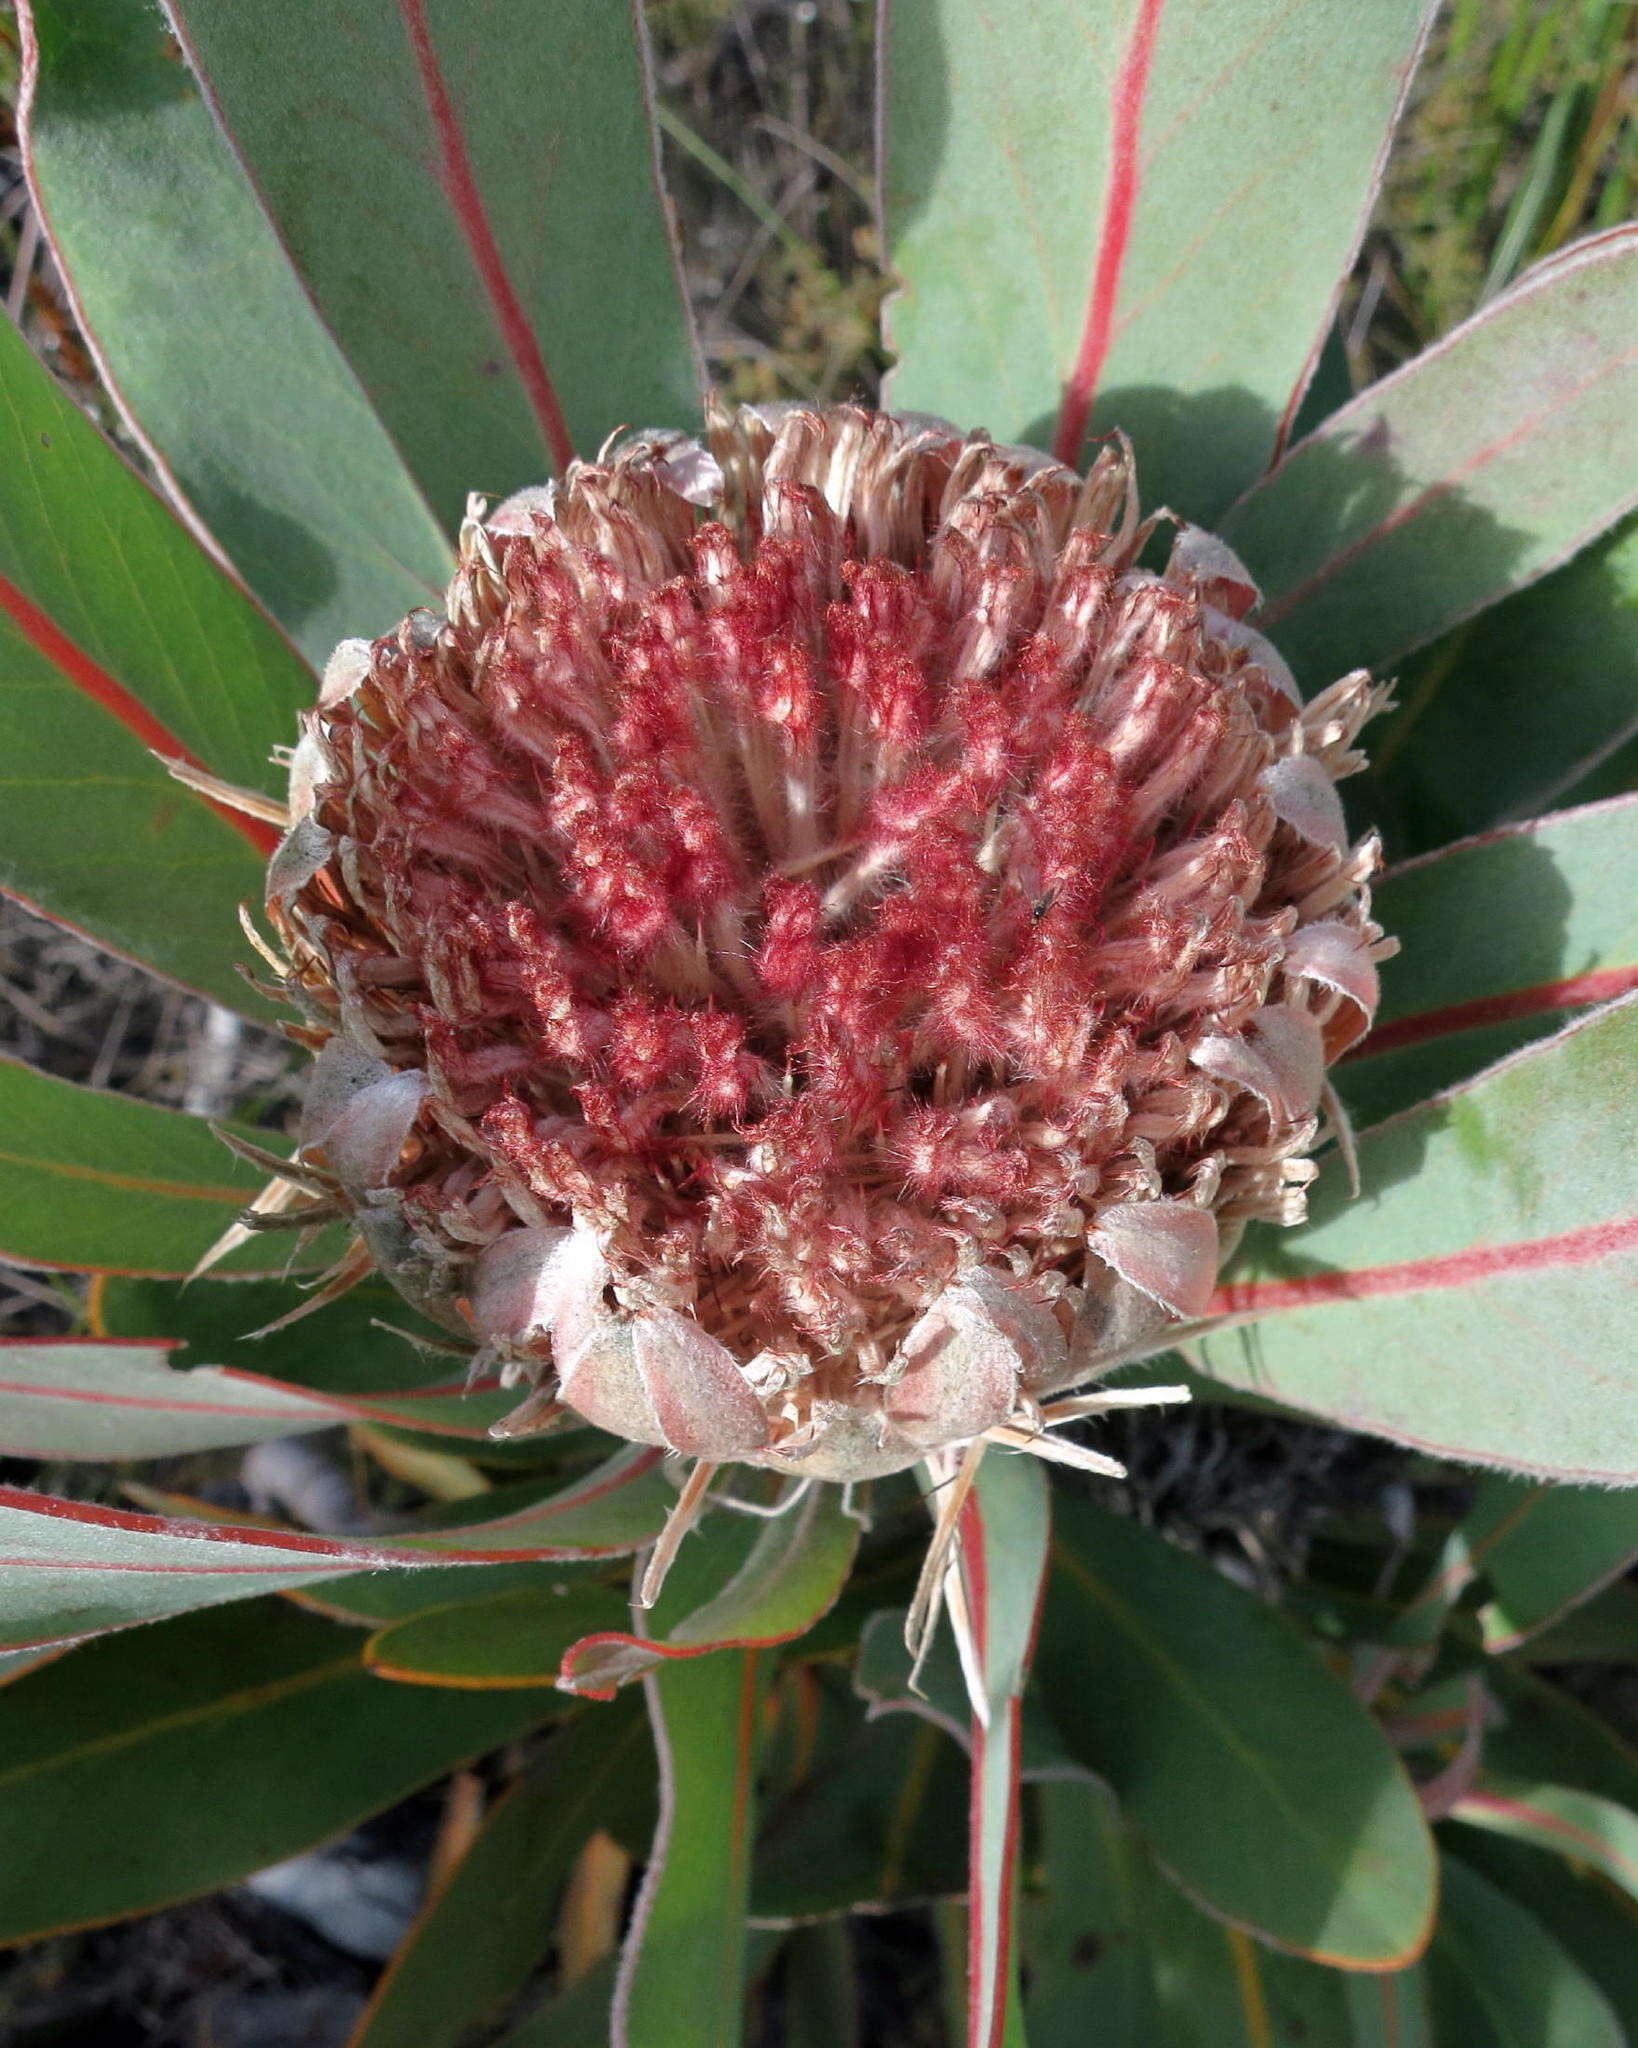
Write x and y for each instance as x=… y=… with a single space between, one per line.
x=816 y=948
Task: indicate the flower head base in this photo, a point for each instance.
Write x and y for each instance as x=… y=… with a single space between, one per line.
x=815 y=951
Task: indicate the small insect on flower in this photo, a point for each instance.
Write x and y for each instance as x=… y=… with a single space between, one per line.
x=815 y=952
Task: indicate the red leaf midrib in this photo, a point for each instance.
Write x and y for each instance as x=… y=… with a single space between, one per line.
x=1119 y=202
x=1583 y=1247
x=461 y=189
x=1573 y=992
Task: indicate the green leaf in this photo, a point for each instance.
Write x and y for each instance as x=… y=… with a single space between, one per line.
x=885 y=1575
x=1485 y=462
x=1332 y=384
x=1431 y=783
x=487 y=1927
x=1547 y=1734
x=204 y=335
x=450 y=182
x=1602 y=1630
x=1389 y=2009
x=80 y=1570
x=390 y=1366
x=682 y=1971
x=1498 y=1979
x=573 y=2019
x=121 y=1399
x=1090 y=1972
x=1545 y=1549
x=878 y=1817
x=882 y=1677
x=1252 y=1773
x=1217 y=1988
x=1593 y=1923
x=145 y=1770
x=347 y=1347
x=108 y=1183
x=1541 y=1549
x=1067 y=227
x=581 y=2018
x=517 y=1637
x=1117 y=1954
x=13 y=1663
x=159 y=630
x=1490 y=1257
x=119 y=639
x=76 y=1571
x=780 y=1576
x=377 y=1599
x=609 y=1511
x=1466 y=990
x=576 y=2018
x=62 y=1401
x=1582 y=1827
x=126 y=1398
x=821 y=1987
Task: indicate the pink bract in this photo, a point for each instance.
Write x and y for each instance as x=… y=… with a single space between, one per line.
x=862 y=942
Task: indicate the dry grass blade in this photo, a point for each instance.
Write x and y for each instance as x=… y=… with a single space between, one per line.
x=681 y=1519
x=953 y=1480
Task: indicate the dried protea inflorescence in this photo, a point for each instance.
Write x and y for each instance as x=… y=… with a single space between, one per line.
x=814 y=951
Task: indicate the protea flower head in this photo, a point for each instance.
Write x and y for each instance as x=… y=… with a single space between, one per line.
x=815 y=951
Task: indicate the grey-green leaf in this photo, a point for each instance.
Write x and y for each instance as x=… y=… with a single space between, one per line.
x=1491 y=458
x=1544 y=1550
x=110 y=1183
x=121 y=640
x=1117 y=1954
x=1477 y=1300
x=1588 y=1917
x=1502 y=937
x=206 y=338
x=468 y=192
x=1498 y=1979
x=1149 y=207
